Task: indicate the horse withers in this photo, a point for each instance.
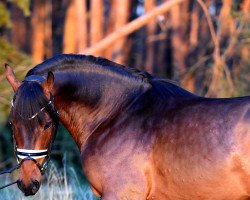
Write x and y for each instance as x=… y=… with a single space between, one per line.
x=140 y=137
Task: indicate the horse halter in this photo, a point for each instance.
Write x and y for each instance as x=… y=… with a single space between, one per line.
x=30 y=154
x=23 y=155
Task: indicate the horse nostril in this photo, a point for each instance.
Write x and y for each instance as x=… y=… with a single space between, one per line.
x=36 y=184
x=20 y=184
x=29 y=189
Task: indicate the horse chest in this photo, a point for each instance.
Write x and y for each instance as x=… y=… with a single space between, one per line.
x=123 y=169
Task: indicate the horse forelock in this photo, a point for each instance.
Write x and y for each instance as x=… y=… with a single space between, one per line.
x=28 y=100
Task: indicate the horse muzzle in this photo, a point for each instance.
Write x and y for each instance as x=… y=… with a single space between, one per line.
x=29 y=178
x=29 y=189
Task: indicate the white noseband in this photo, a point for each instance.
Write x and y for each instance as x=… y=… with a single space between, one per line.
x=35 y=154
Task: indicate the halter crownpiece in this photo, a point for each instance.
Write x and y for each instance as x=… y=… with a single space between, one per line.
x=34 y=78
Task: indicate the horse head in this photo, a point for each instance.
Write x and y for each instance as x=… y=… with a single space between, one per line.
x=34 y=121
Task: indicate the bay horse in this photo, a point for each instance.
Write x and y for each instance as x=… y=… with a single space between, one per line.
x=140 y=137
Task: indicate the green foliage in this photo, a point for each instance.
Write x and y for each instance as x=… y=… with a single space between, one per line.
x=24 y=5
x=5 y=20
x=11 y=54
x=4 y=16
x=20 y=63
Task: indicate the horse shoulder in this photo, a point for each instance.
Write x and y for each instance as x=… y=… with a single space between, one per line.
x=119 y=166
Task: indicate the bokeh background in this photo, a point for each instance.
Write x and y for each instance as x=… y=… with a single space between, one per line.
x=203 y=45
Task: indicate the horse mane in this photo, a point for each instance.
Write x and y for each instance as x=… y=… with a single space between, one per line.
x=76 y=62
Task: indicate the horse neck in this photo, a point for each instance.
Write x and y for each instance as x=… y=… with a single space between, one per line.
x=85 y=102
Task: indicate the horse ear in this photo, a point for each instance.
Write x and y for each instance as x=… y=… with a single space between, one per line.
x=48 y=83
x=10 y=76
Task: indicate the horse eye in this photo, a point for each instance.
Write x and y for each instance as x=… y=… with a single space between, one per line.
x=47 y=125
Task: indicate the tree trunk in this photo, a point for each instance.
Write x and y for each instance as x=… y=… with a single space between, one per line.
x=195 y=21
x=75 y=28
x=178 y=46
x=81 y=21
x=149 y=64
x=121 y=10
x=48 y=29
x=70 y=29
x=96 y=22
x=180 y=17
x=110 y=27
x=19 y=29
x=38 y=31
x=245 y=7
x=225 y=16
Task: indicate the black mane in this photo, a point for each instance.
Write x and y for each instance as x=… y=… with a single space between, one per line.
x=73 y=62
x=28 y=100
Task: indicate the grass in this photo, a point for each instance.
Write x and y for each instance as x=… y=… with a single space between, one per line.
x=62 y=184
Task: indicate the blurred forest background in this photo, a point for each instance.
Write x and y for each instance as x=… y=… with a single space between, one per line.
x=204 y=45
